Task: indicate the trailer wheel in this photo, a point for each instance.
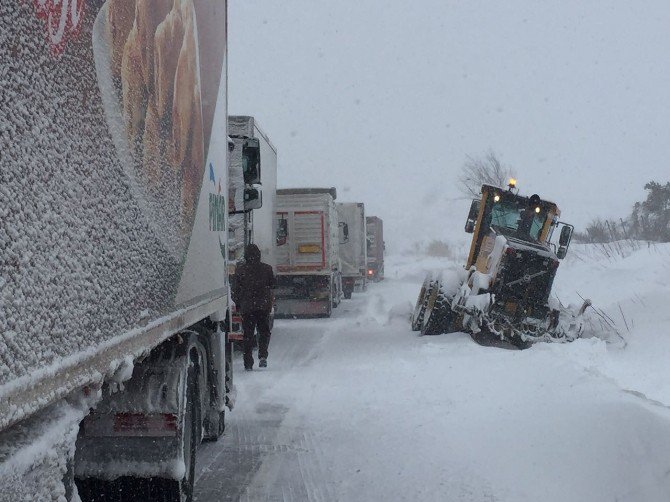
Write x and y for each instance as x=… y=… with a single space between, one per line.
x=421 y=302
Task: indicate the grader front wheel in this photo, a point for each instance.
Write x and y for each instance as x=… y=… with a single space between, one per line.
x=421 y=303
x=438 y=317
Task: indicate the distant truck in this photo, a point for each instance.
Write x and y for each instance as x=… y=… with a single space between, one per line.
x=113 y=236
x=376 y=247
x=309 y=276
x=353 y=248
x=252 y=176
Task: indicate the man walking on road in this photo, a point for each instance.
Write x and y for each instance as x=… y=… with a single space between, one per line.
x=252 y=293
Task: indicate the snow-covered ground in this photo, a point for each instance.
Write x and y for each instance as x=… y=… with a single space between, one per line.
x=358 y=407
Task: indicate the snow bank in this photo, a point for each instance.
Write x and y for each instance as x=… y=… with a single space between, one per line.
x=630 y=288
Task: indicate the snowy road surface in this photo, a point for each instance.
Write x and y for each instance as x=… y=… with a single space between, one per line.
x=358 y=407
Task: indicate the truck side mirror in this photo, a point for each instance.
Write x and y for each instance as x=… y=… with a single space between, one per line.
x=344 y=232
x=251 y=161
x=566 y=236
x=282 y=232
x=253 y=199
x=473 y=214
x=564 y=241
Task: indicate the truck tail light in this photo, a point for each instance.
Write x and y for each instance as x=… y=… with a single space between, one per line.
x=371 y=272
x=126 y=424
x=141 y=424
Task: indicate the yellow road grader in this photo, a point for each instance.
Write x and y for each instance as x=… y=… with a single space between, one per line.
x=503 y=293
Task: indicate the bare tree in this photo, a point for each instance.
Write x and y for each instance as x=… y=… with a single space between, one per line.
x=483 y=170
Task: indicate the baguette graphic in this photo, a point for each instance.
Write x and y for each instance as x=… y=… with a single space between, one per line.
x=167 y=46
x=120 y=19
x=161 y=101
x=148 y=15
x=187 y=134
x=132 y=86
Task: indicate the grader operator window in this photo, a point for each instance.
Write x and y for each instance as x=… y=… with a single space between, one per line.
x=515 y=217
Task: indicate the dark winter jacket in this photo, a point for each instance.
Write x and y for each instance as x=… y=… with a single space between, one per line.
x=253 y=282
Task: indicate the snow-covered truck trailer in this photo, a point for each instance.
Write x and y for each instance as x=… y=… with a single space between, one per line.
x=309 y=278
x=253 y=166
x=375 y=251
x=113 y=229
x=353 y=248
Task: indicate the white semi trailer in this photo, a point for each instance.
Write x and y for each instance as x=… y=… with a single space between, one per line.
x=113 y=226
x=309 y=277
x=353 y=248
x=253 y=167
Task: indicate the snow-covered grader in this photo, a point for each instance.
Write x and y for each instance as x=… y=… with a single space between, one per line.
x=503 y=292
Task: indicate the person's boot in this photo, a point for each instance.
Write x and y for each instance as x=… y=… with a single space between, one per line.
x=248 y=362
x=263 y=362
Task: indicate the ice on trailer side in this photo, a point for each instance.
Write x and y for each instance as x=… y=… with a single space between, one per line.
x=34 y=454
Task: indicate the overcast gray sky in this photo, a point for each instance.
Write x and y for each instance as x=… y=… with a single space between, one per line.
x=385 y=99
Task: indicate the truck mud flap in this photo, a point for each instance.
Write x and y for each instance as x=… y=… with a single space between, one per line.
x=113 y=457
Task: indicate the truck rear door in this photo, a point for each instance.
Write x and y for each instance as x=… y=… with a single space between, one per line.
x=303 y=248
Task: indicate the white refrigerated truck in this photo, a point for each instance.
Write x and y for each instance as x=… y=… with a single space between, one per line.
x=353 y=248
x=113 y=226
x=309 y=277
x=253 y=166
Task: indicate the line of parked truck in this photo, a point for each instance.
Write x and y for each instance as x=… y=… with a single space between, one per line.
x=321 y=250
x=126 y=199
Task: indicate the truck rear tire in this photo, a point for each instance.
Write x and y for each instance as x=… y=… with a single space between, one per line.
x=128 y=488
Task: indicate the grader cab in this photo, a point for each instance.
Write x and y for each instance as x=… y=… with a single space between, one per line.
x=505 y=288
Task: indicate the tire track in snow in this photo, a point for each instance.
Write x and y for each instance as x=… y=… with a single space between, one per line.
x=260 y=457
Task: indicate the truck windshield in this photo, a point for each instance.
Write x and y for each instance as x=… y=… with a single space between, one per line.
x=514 y=217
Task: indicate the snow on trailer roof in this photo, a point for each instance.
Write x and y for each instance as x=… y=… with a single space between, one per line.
x=308 y=191
x=242 y=126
